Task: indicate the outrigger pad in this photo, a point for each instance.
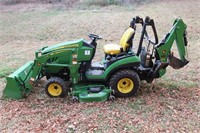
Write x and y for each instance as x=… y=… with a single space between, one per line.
x=177 y=63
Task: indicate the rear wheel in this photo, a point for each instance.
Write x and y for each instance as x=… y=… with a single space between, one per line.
x=56 y=87
x=125 y=83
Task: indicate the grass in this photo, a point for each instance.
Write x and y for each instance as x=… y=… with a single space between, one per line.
x=6 y=71
x=84 y=2
x=171 y=106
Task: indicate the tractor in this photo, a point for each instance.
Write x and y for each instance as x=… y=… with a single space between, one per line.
x=69 y=69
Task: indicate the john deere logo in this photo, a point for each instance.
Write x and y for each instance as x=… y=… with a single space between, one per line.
x=164 y=51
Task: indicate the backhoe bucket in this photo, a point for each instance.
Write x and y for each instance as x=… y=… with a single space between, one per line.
x=18 y=82
x=177 y=63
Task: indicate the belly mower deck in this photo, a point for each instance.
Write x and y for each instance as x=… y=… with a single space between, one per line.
x=90 y=93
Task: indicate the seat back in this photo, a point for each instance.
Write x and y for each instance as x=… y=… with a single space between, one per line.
x=126 y=39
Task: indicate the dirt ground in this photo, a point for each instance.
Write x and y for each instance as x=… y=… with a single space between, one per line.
x=173 y=105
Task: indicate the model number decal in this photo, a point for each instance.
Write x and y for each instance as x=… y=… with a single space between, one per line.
x=87 y=52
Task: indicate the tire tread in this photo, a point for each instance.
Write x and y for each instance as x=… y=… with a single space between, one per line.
x=64 y=85
x=119 y=74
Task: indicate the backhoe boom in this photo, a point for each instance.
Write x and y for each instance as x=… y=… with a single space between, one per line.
x=178 y=34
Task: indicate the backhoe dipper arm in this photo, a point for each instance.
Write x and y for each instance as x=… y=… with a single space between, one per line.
x=177 y=33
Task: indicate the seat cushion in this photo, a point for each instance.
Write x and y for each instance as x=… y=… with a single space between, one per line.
x=112 y=49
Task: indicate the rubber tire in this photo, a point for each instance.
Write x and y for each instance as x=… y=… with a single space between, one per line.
x=124 y=74
x=64 y=86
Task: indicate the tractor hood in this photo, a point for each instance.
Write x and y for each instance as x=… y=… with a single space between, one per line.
x=64 y=45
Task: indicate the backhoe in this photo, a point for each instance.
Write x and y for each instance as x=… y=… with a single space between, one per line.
x=69 y=69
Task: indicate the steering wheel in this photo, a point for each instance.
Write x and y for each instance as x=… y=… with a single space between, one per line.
x=94 y=37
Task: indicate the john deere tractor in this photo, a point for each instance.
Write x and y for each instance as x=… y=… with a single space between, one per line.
x=69 y=69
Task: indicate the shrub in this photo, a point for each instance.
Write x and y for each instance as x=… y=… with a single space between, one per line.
x=81 y=2
x=100 y=2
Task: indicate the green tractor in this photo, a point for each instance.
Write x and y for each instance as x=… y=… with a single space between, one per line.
x=69 y=69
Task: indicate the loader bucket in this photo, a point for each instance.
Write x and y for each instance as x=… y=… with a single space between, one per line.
x=176 y=63
x=18 y=82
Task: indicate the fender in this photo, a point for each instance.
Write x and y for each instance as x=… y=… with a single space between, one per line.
x=120 y=64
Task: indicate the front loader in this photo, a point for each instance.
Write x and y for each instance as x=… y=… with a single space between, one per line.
x=69 y=69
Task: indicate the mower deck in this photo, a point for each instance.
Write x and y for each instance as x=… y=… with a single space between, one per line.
x=90 y=93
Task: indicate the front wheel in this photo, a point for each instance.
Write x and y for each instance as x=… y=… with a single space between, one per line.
x=125 y=83
x=56 y=87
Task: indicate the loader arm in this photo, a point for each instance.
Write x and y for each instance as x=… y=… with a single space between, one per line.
x=41 y=61
x=163 y=50
x=20 y=83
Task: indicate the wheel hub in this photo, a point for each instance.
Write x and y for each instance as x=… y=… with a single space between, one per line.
x=125 y=85
x=55 y=89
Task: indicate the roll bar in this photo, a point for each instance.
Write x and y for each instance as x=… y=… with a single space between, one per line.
x=144 y=34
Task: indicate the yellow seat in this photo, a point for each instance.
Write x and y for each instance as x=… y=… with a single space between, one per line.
x=114 y=49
